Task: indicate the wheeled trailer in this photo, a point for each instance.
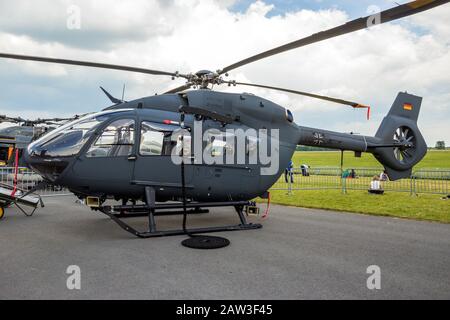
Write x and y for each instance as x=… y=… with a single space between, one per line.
x=10 y=196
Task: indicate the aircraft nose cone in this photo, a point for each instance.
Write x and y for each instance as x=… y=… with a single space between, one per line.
x=30 y=157
x=47 y=167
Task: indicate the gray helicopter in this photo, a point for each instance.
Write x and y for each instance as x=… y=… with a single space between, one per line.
x=152 y=149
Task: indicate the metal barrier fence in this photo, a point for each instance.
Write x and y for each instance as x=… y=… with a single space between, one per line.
x=27 y=179
x=421 y=181
x=320 y=178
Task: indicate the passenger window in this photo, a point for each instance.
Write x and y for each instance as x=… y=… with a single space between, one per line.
x=116 y=140
x=181 y=140
x=217 y=148
x=155 y=139
x=159 y=139
x=221 y=143
x=151 y=143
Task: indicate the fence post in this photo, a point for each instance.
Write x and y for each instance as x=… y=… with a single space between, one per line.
x=290 y=177
x=411 y=184
x=414 y=185
x=343 y=182
x=344 y=185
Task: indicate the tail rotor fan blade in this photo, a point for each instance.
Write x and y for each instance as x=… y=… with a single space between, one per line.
x=397 y=153
x=405 y=133
x=406 y=154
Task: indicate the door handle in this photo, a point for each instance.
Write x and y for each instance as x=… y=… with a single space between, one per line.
x=132 y=157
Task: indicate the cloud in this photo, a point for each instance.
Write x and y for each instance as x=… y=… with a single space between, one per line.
x=368 y=66
x=103 y=24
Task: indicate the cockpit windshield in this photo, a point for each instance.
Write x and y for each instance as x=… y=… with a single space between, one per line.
x=68 y=139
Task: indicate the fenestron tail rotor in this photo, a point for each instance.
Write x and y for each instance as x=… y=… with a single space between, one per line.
x=404 y=136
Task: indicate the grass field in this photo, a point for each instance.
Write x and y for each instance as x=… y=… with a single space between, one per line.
x=429 y=207
x=433 y=160
x=395 y=204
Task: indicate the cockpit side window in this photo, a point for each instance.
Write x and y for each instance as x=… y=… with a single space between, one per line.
x=116 y=140
x=156 y=139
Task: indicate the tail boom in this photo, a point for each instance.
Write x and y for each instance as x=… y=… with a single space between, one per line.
x=398 y=144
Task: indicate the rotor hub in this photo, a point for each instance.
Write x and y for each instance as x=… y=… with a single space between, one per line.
x=203 y=78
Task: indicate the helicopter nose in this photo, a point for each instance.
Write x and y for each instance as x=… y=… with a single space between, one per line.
x=35 y=163
x=47 y=167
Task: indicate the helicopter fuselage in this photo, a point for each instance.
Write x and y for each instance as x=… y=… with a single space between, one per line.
x=114 y=168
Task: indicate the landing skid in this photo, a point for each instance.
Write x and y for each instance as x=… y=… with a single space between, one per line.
x=152 y=209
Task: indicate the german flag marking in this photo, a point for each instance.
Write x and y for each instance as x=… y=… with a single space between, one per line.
x=408 y=106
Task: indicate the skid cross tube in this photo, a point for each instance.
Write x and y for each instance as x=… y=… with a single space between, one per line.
x=143 y=213
x=152 y=209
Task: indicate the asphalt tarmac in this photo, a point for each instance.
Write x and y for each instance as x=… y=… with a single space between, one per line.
x=299 y=254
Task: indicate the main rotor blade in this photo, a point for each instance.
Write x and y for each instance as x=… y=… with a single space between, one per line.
x=312 y=95
x=90 y=64
x=398 y=12
x=4 y=118
x=178 y=89
x=53 y=120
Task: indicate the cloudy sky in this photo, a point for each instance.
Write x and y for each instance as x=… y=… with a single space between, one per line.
x=369 y=66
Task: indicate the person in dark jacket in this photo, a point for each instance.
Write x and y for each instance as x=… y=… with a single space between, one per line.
x=289 y=171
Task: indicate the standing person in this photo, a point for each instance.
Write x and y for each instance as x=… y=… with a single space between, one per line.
x=289 y=171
